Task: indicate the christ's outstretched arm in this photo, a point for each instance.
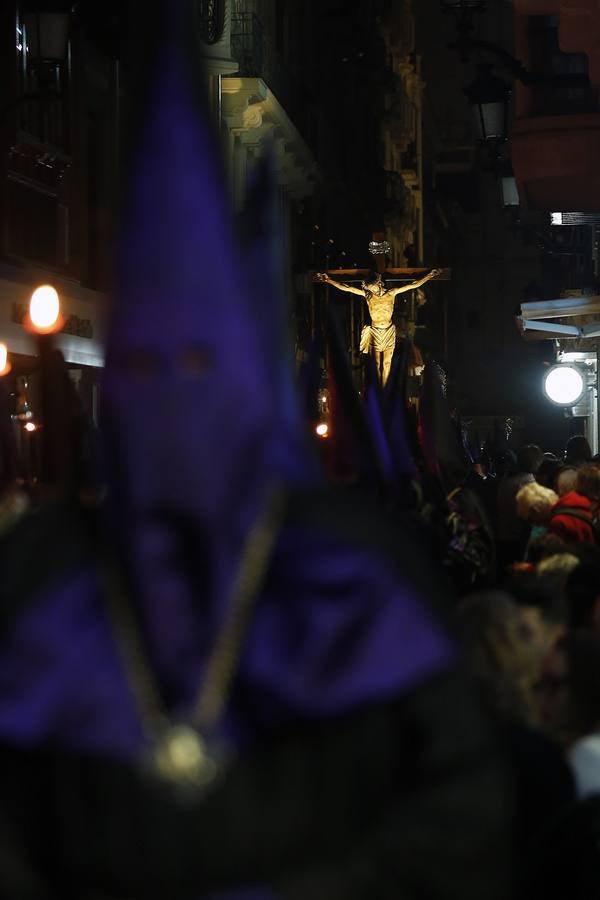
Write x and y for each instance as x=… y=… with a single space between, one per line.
x=415 y=284
x=323 y=276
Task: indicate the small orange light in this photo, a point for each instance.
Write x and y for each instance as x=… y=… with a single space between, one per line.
x=30 y=426
x=44 y=310
x=322 y=429
x=5 y=365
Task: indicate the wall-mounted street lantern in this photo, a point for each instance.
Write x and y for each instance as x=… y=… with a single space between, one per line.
x=489 y=97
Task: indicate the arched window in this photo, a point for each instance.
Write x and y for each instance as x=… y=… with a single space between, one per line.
x=211 y=20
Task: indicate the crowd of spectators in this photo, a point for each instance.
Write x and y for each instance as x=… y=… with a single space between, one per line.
x=532 y=640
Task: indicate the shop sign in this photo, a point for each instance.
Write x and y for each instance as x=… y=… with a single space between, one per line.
x=73 y=324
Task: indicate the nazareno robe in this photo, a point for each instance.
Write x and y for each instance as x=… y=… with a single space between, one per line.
x=364 y=767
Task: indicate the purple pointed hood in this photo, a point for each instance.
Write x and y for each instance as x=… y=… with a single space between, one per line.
x=353 y=450
x=190 y=401
x=374 y=416
x=396 y=413
x=262 y=257
x=443 y=451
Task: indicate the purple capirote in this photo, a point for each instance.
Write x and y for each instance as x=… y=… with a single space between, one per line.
x=374 y=415
x=193 y=432
x=395 y=411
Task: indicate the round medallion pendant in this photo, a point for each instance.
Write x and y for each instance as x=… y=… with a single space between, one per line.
x=181 y=757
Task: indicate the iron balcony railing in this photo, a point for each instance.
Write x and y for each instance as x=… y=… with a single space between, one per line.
x=211 y=20
x=247 y=44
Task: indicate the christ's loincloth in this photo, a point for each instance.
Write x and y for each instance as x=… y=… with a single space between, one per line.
x=378 y=339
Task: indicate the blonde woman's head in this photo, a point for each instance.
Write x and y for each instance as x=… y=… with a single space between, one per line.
x=535 y=502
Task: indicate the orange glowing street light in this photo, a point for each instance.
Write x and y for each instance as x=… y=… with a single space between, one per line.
x=5 y=365
x=44 y=316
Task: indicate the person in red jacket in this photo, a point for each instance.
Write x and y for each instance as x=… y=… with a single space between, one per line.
x=572 y=517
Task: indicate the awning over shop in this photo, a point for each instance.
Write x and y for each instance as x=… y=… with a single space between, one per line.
x=582 y=315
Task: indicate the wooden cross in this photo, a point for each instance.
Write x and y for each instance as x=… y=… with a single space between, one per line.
x=392 y=274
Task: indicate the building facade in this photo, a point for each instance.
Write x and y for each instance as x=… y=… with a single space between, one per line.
x=402 y=136
x=60 y=128
x=495 y=250
x=555 y=140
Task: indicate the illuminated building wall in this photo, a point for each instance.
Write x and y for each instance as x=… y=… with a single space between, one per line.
x=402 y=135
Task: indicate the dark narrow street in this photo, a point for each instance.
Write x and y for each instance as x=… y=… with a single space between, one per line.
x=299 y=450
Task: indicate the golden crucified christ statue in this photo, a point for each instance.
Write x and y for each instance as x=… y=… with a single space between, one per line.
x=379 y=337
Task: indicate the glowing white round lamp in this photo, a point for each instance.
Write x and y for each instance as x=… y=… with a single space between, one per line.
x=322 y=429
x=564 y=385
x=44 y=310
